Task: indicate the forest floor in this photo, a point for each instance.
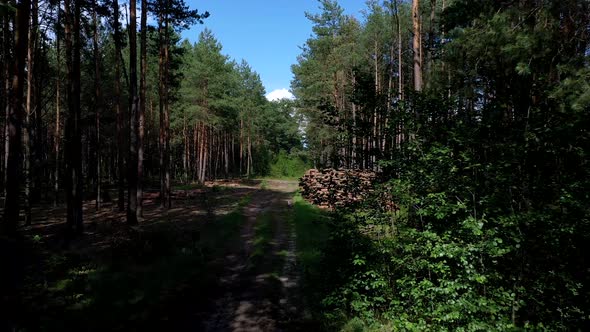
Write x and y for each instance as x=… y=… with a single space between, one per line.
x=223 y=258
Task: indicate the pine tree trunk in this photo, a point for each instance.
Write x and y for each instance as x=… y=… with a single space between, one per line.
x=390 y=81
x=57 y=133
x=227 y=142
x=185 y=150
x=73 y=151
x=28 y=123
x=133 y=105
x=167 y=154
x=203 y=154
x=15 y=118
x=249 y=168
x=211 y=154
x=399 y=52
x=214 y=153
x=241 y=145
x=142 y=107
x=6 y=62
x=3 y=96
x=97 y=105
x=417 y=45
x=430 y=59
x=162 y=102
x=201 y=163
x=118 y=111
x=197 y=152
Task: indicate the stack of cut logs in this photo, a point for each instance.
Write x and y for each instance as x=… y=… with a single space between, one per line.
x=331 y=188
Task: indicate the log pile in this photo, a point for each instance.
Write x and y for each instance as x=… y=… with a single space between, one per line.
x=331 y=188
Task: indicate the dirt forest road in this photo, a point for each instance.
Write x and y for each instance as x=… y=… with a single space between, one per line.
x=260 y=279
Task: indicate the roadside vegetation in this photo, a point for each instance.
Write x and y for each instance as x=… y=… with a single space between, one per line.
x=475 y=114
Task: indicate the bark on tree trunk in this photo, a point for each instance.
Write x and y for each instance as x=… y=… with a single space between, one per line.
x=15 y=118
x=57 y=133
x=74 y=185
x=97 y=105
x=29 y=111
x=417 y=45
x=162 y=96
x=119 y=113
x=241 y=145
x=3 y=95
x=205 y=133
x=133 y=105
x=6 y=71
x=142 y=107
x=197 y=150
x=167 y=154
x=185 y=150
x=430 y=40
x=249 y=153
x=226 y=152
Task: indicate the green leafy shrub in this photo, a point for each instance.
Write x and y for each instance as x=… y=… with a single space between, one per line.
x=289 y=166
x=452 y=258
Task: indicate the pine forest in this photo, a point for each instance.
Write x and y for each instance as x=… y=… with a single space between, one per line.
x=426 y=171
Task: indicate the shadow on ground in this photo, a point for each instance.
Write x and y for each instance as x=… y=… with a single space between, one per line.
x=189 y=267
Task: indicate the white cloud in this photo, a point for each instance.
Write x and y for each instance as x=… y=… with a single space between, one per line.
x=279 y=94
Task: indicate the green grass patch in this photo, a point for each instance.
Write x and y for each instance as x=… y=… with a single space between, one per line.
x=263 y=258
x=312 y=233
x=263 y=235
x=312 y=229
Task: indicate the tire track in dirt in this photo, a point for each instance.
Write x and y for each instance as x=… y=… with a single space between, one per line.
x=257 y=299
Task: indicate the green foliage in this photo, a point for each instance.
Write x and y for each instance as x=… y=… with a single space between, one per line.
x=449 y=260
x=354 y=325
x=289 y=166
x=487 y=166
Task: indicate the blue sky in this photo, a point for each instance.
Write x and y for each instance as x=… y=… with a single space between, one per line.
x=265 y=33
